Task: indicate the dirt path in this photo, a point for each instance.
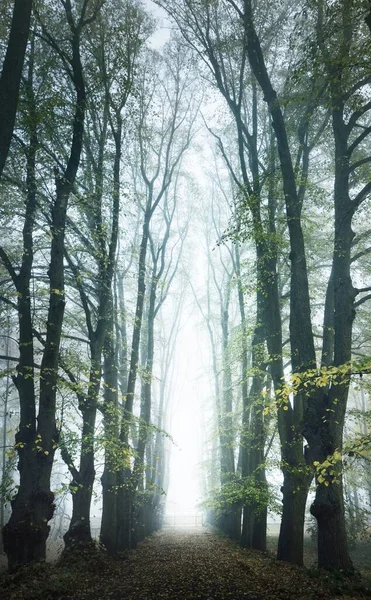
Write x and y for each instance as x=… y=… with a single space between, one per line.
x=188 y=565
x=198 y=565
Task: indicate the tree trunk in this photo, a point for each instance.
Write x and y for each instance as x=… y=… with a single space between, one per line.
x=79 y=531
x=328 y=509
x=81 y=486
x=124 y=516
x=108 y=531
x=125 y=496
x=291 y=539
x=111 y=434
x=12 y=73
x=253 y=442
x=301 y=336
x=326 y=419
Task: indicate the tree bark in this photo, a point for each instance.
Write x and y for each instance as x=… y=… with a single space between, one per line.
x=81 y=486
x=291 y=538
x=11 y=74
x=111 y=434
x=125 y=495
x=253 y=439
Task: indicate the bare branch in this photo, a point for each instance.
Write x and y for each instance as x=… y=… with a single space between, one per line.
x=366 y=131
x=360 y=254
x=359 y=163
x=361 y=196
x=362 y=300
x=8 y=265
x=236 y=8
x=357 y=114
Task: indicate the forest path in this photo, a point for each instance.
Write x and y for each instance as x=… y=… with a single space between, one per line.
x=172 y=565
x=197 y=564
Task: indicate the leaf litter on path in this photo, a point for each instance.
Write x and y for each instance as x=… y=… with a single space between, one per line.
x=174 y=565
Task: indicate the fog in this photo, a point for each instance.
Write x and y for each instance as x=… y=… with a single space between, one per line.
x=185 y=278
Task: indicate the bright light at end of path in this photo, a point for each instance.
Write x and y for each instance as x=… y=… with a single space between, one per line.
x=184 y=491
x=190 y=389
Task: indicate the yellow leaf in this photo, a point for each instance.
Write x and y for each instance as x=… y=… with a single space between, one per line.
x=337 y=455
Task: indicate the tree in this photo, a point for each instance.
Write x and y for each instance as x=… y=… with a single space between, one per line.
x=323 y=432
x=114 y=54
x=27 y=530
x=328 y=505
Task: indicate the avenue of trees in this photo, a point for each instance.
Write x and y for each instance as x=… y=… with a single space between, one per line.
x=97 y=227
x=295 y=83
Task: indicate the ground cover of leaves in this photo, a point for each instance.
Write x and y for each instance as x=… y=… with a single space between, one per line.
x=174 y=565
